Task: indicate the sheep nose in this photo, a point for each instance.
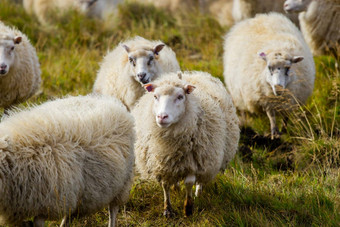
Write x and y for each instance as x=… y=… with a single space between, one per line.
x=162 y=116
x=141 y=75
x=3 y=67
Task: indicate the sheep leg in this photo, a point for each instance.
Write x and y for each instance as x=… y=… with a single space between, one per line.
x=39 y=221
x=198 y=191
x=113 y=211
x=66 y=221
x=273 y=128
x=168 y=212
x=189 y=202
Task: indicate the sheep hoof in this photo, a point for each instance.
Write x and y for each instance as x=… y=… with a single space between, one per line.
x=275 y=133
x=188 y=207
x=168 y=213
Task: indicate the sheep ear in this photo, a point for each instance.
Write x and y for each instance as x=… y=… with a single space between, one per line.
x=149 y=87
x=263 y=56
x=297 y=59
x=158 y=48
x=126 y=48
x=4 y=142
x=189 y=88
x=17 y=40
x=179 y=74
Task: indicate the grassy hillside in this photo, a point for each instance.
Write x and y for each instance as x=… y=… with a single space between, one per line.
x=292 y=181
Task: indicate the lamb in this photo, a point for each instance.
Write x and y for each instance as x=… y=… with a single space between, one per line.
x=92 y=8
x=68 y=157
x=320 y=23
x=243 y=9
x=263 y=67
x=132 y=63
x=19 y=67
x=187 y=129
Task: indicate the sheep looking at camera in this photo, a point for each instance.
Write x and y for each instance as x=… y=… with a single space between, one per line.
x=267 y=65
x=320 y=23
x=68 y=157
x=131 y=64
x=187 y=129
x=19 y=67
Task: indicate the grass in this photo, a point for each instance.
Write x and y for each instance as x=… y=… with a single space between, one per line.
x=292 y=181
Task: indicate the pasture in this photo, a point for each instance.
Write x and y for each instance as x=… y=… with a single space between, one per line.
x=291 y=181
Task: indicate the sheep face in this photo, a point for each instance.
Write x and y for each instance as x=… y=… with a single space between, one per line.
x=144 y=63
x=169 y=103
x=296 y=6
x=7 y=53
x=278 y=70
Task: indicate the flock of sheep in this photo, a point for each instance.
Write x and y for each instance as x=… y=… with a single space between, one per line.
x=75 y=155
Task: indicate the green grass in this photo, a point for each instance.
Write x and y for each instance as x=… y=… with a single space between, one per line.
x=293 y=181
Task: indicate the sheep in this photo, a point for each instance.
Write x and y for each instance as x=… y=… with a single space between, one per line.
x=221 y=10
x=132 y=63
x=243 y=9
x=263 y=67
x=92 y=8
x=19 y=67
x=320 y=23
x=68 y=157
x=186 y=129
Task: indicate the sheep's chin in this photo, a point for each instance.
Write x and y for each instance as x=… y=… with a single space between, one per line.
x=163 y=125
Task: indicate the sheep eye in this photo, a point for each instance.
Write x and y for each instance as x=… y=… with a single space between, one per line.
x=286 y=71
x=12 y=48
x=180 y=97
x=150 y=60
x=155 y=96
x=132 y=61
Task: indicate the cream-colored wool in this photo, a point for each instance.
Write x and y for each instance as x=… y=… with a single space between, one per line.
x=70 y=156
x=202 y=142
x=243 y=9
x=116 y=76
x=23 y=79
x=245 y=71
x=92 y=8
x=320 y=25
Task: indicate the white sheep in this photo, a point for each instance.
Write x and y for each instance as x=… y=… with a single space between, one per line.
x=132 y=63
x=320 y=23
x=92 y=8
x=68 y=157
x=243 y=9
x=19 y=67
x=263 y=67
x=187 y=129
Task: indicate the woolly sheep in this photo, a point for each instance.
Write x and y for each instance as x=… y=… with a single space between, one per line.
x=92 y=8
x=243 y=9
x=263 y=67
x=19 y=67
x=320 y=23
x=132 y=63
x=187 y=129
x=68 y=157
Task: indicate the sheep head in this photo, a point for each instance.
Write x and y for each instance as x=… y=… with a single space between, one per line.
x=296 y=6
x=278 y=70
x=7 y=52
x=169 y=102
x=143 y=62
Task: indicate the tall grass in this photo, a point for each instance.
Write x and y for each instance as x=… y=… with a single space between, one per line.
x=292 y=181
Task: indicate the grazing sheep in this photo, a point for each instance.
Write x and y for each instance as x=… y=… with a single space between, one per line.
x=19 y=67
x=187 y=129
x=221 y=10
x=132 y=63
x=320 y=23
x=92 y=8
x=68 y=157
x=263 y=67
x=243 y=9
